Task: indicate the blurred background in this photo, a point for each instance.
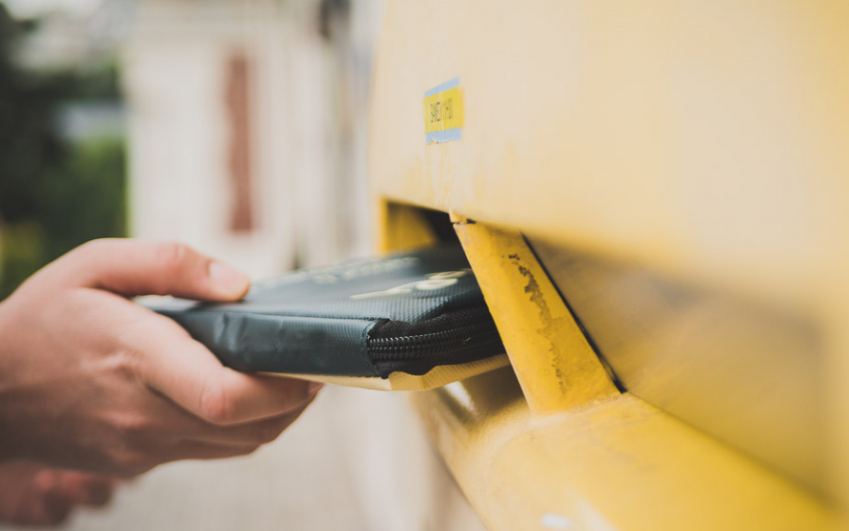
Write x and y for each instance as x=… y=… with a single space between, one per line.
x=238 y=126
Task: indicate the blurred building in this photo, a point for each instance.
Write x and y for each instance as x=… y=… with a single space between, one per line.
x=246 y=128
x=74 y=38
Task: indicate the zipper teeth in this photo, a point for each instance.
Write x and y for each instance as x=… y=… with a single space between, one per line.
x=432 y=345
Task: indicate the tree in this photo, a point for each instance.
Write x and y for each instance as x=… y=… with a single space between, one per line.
x=54 y=194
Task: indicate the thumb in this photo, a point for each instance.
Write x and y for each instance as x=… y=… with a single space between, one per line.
x=134 y=267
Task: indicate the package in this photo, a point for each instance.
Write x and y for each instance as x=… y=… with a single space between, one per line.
x=409 y=321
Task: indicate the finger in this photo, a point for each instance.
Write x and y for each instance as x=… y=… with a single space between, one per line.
x=47 y=504
x=199 y=450
x=187 y=373
x=42 y=512
x=253 y=433
x=54 y=509
x=86 y=489
x=176 y=423
x=134 y=267
x=180 y=424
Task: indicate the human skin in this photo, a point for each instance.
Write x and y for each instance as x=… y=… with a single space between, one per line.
x=91 y=381
x=34 y=495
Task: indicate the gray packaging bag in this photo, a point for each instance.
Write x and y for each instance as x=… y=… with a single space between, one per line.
x=416 y=320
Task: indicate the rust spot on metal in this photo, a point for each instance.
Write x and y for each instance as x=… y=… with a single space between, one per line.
x=550 y=323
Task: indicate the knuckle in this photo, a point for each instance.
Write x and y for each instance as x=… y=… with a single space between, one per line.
x=131 y=427
x=215 y=405
x=172 y=255
x=123 y=364
x=47 y=482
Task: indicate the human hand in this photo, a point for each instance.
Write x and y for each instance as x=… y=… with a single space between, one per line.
x=34 y=495
x=91 y=381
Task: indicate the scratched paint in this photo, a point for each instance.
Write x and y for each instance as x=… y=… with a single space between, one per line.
x=554 y=363
x=545 y=316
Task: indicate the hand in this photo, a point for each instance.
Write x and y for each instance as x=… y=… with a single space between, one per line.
x=91 y=381
x=33 y=495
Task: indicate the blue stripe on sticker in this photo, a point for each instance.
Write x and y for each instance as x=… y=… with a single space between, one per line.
x=443 y=136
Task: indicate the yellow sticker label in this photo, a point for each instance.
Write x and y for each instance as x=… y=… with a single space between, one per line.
x=443 y=112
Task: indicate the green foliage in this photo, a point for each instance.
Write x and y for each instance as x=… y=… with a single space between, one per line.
x=54 y=194
x=86 y=200
x=22 y=253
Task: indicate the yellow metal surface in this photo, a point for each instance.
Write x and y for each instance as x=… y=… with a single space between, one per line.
x=704 y=142
x=555 y=365
x=400 y=227
x=701 y=355
x=704 y=139
x=599 y=460
x=619 y=464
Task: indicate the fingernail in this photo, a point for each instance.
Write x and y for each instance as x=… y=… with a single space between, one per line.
x=314 y=387
x=230 y=283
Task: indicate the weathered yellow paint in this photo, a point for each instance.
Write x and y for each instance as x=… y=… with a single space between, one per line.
x=619 y=464
x=555 y=364
x=602 y=460
x=401 y=227
x=702 y=141
x=706 y=140
x=598 y=460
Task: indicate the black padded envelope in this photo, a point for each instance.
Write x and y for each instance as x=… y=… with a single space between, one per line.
x=405 y=313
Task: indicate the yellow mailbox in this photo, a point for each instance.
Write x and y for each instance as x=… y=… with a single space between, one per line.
x=653 y=196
